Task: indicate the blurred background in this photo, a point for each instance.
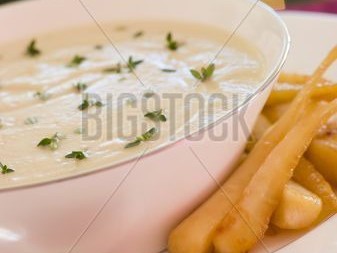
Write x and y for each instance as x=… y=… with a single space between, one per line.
x=313 y=5
x=308 y=5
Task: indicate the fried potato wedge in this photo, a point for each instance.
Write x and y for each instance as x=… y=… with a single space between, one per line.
x=261 y=126
x=292 y=78
x=242 y=228
x=285 y=93
x=298 y=208
x=306 y=175
x=195 y=233
x=274 y=113
x=323 y=154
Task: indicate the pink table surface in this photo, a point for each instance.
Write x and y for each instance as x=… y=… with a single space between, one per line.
x=329 y=6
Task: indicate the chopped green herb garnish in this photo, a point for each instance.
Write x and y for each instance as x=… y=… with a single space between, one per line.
x=98 y=104
x=133 y=144
x=32 y=50
x=169 y=70
x=171 y=43
x=76 y=61
x=138 y=34
x=45 y=142
x=115 y=69
x=42 y=95
x=79 y=155
x=133 y=64
x=156 y=116
x=118 y=68
x=86 y=103
x=147 y=136
x=52 y=142
x=5 y=169
x=31 y=121
x=80 y=86
x=205 y=73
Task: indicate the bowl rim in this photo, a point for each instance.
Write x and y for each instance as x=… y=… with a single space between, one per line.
x=267 y=82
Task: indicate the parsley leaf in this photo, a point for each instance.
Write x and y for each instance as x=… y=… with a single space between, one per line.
x=196 y=74
x=5 y=169
x=76 y=61
x=79 y=155
x=31 y=50
x=133 y=144
x=45 y=142
x=80 y=86
x=118 y=68
x=131 y=65
x=98 y=104
x=205 y=73
x=86 y=103
x=115 y=69
x=156 y=116
x=169 y=70
x=147 y=136
x=171 y=43
x=52 y=142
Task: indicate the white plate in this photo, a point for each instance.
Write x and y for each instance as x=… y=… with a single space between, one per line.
x=313 y=35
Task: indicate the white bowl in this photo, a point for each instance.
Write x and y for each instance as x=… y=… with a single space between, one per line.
x=131 y=207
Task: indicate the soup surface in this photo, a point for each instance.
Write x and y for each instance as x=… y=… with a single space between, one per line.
x=109 y=100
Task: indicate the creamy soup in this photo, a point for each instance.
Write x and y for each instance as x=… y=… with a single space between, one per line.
x=110 y=100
